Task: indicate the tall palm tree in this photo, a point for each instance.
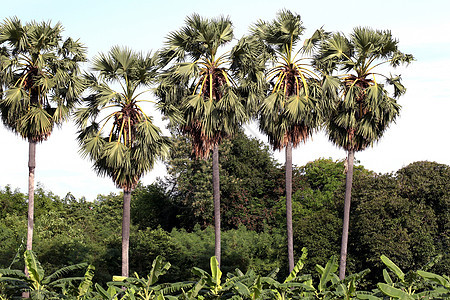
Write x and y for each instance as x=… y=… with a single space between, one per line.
x=40 y=86
x=364 y=106
x=115 y=133
x=292 y=108
x=204 y=86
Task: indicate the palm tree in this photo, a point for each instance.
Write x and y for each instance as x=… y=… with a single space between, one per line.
x=203 y=86
x=40 y=86
x=364 y=107
x=132 y=142
x=292 y=108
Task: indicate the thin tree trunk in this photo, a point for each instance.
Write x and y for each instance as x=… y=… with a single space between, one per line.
x=348 y=196
x=126 y=231
x=30 y=226
x=216 y=197
x=290 y=235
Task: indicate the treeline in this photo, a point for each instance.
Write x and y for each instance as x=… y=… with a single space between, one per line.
x=404 y=215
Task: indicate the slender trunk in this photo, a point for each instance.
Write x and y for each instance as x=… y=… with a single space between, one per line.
x=31 y=170
x=216 y=197
x=348 y=195
x=290 y=235
x=126 y=231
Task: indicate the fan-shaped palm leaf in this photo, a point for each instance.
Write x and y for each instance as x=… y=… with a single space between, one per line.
x=364 y=108
x=39 y=86
x=115 y=133
x=293 y=107
x=208 y=89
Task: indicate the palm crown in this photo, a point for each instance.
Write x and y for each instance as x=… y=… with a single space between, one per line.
x=39 y=76
x=292 y=108
x=365 y=108
x=132 y=142
x=201 y=83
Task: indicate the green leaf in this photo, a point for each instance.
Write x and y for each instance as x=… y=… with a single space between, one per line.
x=86 y=284
x=436 y=278
x=327 y=273
x=34 y=267
x=367 y=297
x=386 y=277
x=393 y=267
x=298 y=266
x=215 y=271
x=394 y=292
x=119 y=278
x=157 y=270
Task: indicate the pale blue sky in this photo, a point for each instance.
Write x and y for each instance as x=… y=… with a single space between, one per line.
x=422 y=27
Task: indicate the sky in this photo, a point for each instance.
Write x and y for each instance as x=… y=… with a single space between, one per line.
x=422 y=28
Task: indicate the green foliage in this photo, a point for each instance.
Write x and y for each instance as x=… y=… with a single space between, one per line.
x=41 y=286
x=39 y=79
x=250 y=184
x=242 y=248
x=12 y=202
x=293 y=106
x=387 y=223
x=125 y=143
x=364 y=106
x=323 y=284
x=151 y=207
x=427 y=184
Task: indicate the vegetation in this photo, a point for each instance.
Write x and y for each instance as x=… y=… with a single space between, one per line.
x=293 y=106
x=237 y=285
x=71 y=231
x=364 y=106
x=39 y=85
x=400 y=221
x=204 y=85
x=133 y=143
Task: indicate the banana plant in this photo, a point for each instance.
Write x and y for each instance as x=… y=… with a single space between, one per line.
x=211 y=282
x=144 y=288
x=440 y=284
x=330 y=286
x=39 y=285
x=406 y=286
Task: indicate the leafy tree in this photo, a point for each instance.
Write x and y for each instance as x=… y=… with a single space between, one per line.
x=250 y=184
x=133 y=143
x=12 y=202
x=387 y=223
x=364 y=106
x=427 y=184
x=204 y=86
x=40 y=86
x=152 y=208
x=188 y=184
x=293 y=106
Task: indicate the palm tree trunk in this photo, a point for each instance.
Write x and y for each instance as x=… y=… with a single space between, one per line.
x=30 y=226
x=31 y=169
x=290 y=235
x=216 y=197
x=348 y=196
x=126 y=231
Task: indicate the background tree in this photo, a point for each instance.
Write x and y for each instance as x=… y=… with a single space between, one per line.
x=364 y=106
x=203 y=85
x=385 y=223
x=388 y=216
x=427 y=184
x=292 y=107
x=250 y=185
x=40 y=86
x=132 y=143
